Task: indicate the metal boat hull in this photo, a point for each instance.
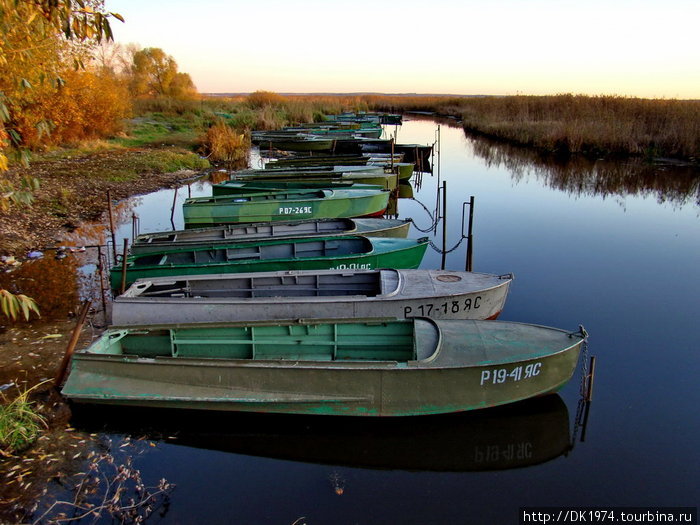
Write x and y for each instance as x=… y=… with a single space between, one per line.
x=311 y=294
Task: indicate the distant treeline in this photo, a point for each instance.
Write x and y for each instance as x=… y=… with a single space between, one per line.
x=591 y=125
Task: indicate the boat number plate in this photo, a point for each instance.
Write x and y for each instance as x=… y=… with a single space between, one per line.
x=444 y=309
x=503 y=375
x=294 y=210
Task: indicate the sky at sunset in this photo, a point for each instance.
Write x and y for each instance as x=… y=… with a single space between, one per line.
x=499 y=47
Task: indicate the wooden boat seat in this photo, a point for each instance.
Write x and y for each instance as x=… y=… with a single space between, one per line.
x=233 y=255
x=208 y=256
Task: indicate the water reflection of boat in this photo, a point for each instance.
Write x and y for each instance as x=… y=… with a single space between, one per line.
x=513 y=436
x=405 y=190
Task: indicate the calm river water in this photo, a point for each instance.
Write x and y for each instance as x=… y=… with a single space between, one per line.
x=613 y=246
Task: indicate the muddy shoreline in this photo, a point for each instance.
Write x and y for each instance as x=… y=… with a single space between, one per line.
x=67 y=197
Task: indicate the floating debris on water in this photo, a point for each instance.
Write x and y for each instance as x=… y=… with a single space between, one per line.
x=338 y=482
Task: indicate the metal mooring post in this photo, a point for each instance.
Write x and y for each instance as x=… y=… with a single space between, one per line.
x=135 y=226
x=391 y=141
x=172 y=210
x=444 y=223
x=111 y=225
x=591 y=378
x=122 y=289
x=470 y=237
x=101 y=277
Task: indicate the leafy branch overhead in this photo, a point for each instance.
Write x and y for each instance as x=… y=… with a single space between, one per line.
x=37 y=40
x=14 y=304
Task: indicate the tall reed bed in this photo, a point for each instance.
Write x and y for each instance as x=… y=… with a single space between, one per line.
x=595 y=125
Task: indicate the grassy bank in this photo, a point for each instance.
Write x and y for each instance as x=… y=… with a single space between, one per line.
x=590 y=125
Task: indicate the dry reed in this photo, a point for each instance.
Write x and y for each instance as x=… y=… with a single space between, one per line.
x=225 y=144
x=593 y=125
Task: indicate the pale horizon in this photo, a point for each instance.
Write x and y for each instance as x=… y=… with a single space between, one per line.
x=504 y=47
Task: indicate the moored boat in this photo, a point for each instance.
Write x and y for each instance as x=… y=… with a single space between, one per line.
x=387 y=180
x=370 y=367
x=228 y=233
x=313 y=253
x=284 y=205
x=295 y=143
x=308 y=294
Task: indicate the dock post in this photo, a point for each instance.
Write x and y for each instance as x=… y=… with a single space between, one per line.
x=100 y=272
x=111 y=225
x=444 y=223
x=470 y=237
x=172 y=210
x=126 y=248
x=590 y=379
x=391 y=141
x=134 y=226
x=71 y=344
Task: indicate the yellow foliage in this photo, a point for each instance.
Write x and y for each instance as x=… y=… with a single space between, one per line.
x=260 y=99
x=225 y=144
x=13 y=304
x=88 y=105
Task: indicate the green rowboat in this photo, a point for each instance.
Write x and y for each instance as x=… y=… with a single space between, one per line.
x=352 y=252
x=284 y=206
x=322 y=179
x=294 y=143
x=228 y=233
x=355 y=367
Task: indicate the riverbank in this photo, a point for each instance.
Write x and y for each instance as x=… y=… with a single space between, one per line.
x=73 y=189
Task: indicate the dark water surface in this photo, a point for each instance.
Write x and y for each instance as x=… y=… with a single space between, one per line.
x=613 y=246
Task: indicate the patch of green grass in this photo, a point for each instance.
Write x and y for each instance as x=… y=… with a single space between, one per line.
x=133 y=164
x=124 y=165
x=76 y=150
x=20 y=424
x=166 y=161
x=156 y=129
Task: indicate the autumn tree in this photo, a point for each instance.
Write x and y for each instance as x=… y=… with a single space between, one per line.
x=38 y=38
x=155 y=74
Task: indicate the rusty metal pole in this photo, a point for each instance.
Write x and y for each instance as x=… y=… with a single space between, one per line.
x=172 y=210
x=591 y=378
x=126 y=248
x=111 y=225
x=391 y=141
x=470 y=237
x=71 y=344
x=444 y=223
x=100 y=271
x=134 y=226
